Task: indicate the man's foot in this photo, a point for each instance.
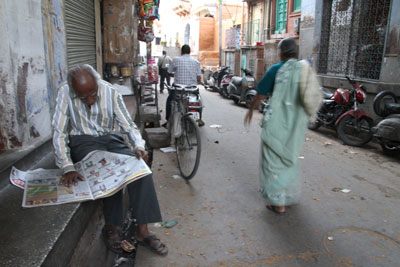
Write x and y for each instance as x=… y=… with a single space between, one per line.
x=200 y=123
x=165 y=125
x=112 y=238
x=154 y=244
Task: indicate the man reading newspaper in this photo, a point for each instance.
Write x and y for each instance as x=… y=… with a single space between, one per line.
x=85 y=114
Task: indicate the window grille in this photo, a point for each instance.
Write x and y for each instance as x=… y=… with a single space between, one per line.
x=353 y=37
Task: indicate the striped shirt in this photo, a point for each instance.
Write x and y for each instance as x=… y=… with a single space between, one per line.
x=186 y=70
x=73 y=117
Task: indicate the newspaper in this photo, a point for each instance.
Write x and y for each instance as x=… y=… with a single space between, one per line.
x=104 y=173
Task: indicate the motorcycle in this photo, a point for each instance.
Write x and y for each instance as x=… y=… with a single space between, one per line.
x=214 y=81
x=387 y=131
x=223 y=89
x=242 y=89
x=340 y=111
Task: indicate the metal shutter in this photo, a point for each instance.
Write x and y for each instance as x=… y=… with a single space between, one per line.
x=80 y=32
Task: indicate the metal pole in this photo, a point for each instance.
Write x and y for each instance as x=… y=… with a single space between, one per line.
x=220 y=32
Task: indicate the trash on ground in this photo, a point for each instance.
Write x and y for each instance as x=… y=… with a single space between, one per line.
x=345 y=190
x=309 y=139
x=350 y=151
x=169 y=223
x=327 y=143
x=217 y=142
x=316 y=199
x=167 y=149
x=336 y=189
x=215 y=126
x=158 y=225
x=330 y=238
x=175 y=176
x=301 y=157
x=126 y=246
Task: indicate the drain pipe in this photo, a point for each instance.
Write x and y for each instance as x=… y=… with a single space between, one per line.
x=269 y=21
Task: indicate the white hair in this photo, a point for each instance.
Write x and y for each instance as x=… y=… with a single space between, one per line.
x=73 y=72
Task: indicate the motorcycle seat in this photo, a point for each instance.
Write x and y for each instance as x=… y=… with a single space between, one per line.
x=237 y=80
x=393 y=108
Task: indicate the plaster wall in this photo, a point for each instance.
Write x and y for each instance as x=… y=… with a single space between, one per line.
x=24 y=102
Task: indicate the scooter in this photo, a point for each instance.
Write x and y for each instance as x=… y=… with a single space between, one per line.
x=223 y=89
x=340 y=111
x=386 y=105
x=214 y=81
x=242 y=89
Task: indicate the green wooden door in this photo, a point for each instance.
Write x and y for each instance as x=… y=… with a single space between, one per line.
x=297 y=5
x=281 y=7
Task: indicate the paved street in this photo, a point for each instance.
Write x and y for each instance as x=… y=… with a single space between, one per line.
x=222 y=219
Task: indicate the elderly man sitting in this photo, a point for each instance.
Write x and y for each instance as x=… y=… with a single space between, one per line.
x=86 y=110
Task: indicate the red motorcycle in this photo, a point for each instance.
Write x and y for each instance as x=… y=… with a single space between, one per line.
x=340 y=111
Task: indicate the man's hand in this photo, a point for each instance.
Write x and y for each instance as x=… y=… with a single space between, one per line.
x=70 y=178
x=142 y=154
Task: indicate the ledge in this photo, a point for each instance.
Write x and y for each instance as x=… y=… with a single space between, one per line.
x=42 y=236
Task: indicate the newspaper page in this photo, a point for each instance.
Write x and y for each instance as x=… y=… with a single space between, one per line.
x=107 y=172
x=104 y=173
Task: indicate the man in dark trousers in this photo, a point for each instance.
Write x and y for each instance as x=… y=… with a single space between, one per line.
x=86 y=111
x=163 y=64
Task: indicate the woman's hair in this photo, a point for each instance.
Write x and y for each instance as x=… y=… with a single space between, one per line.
x=288 y=47
x=86 y=68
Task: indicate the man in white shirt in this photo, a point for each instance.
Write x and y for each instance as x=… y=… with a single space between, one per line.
x=186 y=72
x=163 y=64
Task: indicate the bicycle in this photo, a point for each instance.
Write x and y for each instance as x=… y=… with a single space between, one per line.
x=185 y=111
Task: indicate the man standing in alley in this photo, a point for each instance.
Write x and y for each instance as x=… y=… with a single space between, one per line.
x=186 y=71
x=163 y=64
x=86 y=111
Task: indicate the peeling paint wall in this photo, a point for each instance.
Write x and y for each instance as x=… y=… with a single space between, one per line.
x=24 y=96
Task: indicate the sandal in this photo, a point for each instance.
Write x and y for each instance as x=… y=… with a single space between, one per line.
x=275 y=210
x=112 y=238
x=154 y=244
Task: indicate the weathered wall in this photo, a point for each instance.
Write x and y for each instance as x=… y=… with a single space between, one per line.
x=24 y=101
x=207 y=31
x=391 y=62
x=54 y=46
x=118 y=31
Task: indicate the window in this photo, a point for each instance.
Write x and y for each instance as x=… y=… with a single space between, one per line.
x=281 y=7
x=296 y=5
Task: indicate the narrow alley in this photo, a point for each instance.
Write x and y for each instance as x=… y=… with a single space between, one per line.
x=222 y=219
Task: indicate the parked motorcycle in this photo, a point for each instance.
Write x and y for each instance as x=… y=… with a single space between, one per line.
x=214 y=81
x=340 y=111
x=242 y=89
x=223 y=89
x=386 y=105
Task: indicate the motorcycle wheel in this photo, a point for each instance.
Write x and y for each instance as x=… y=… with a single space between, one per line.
x=381 y=99
x=351 y=136
x=249 y=100
x=224 y=91
x=314 y=125
x=390 y=150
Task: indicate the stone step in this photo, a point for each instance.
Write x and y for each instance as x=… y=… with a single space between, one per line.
x=157 y=137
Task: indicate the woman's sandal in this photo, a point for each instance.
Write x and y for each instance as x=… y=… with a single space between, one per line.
x=112 y=238
x=275 y=210
x=155 y=245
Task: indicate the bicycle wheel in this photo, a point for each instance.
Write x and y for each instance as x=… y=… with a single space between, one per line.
x=188 y=148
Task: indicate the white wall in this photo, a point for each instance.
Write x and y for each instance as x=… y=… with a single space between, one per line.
x=24 y=102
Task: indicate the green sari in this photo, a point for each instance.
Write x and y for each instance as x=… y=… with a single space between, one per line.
x=283 y=132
